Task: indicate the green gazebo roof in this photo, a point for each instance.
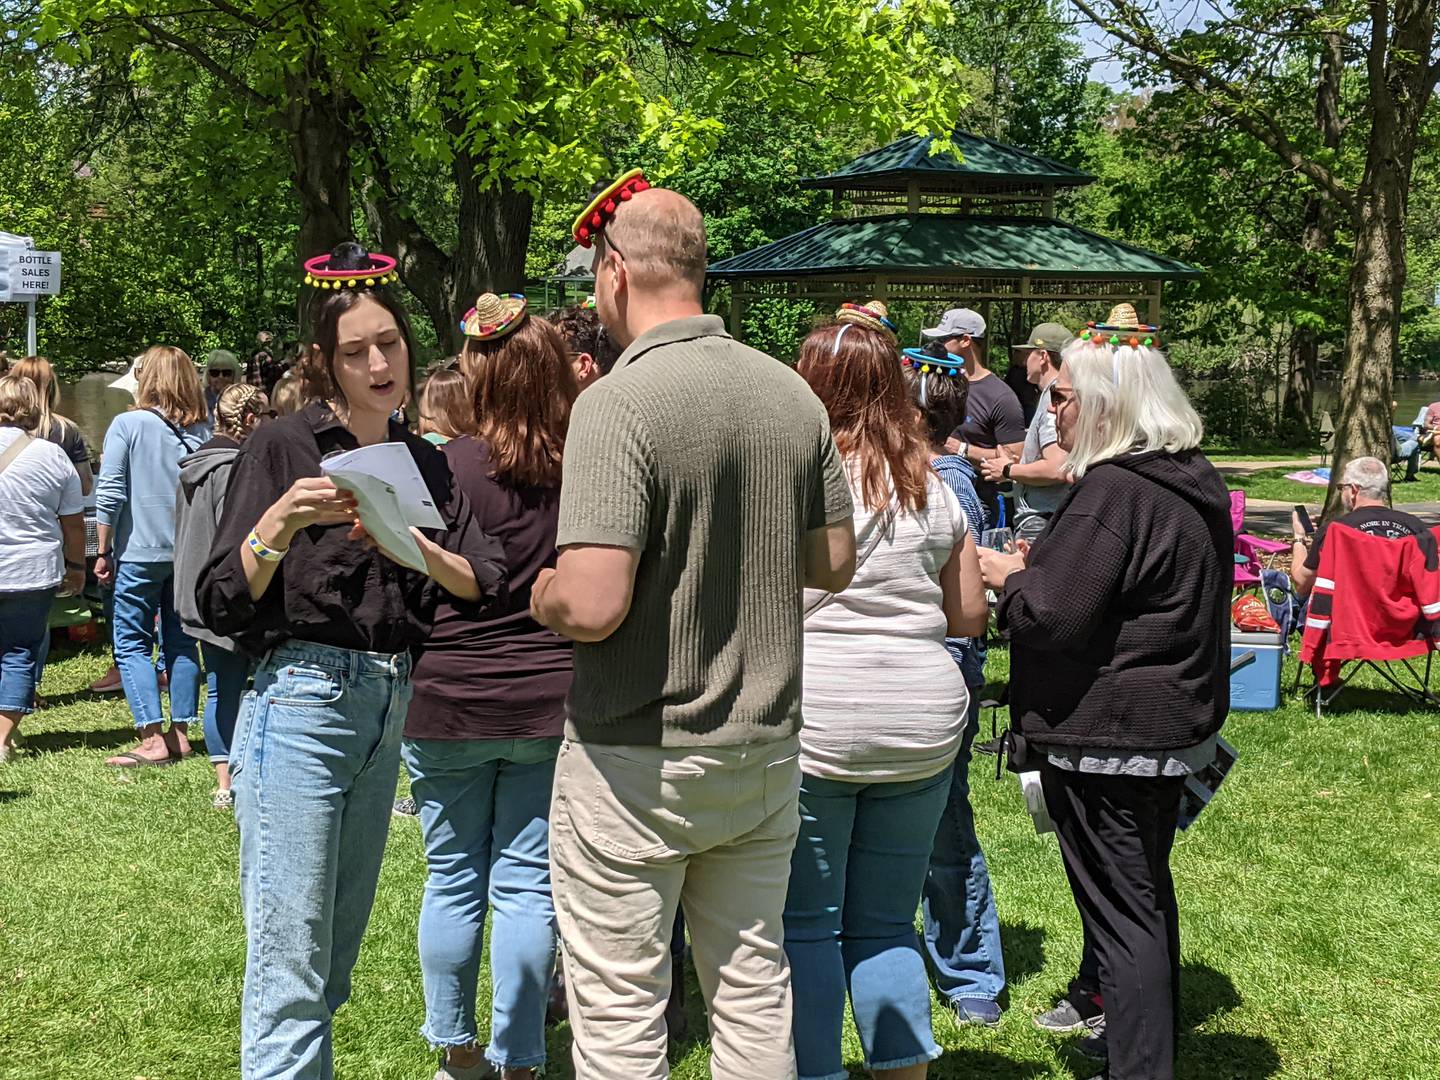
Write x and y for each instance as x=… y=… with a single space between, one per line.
x=950 y=245
x=980 y=160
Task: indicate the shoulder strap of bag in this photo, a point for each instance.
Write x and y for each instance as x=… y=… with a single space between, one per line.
x=15 y=449
x=879 y=525
x=174 y=430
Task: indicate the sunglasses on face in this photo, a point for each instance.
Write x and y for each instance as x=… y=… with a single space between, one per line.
x=222 y=374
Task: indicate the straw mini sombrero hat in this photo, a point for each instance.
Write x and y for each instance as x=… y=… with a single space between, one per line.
x=873 y=315
x=1123 y=327
x=493 y=316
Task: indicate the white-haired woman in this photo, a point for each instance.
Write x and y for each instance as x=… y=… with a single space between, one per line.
x=1119 y=669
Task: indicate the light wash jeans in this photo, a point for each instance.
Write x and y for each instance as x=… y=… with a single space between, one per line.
x=484 y=809
x=314 y=763
x=143 y=591
x=226 y=675
x=962 y=927
x=24 y=627
x=855 y=880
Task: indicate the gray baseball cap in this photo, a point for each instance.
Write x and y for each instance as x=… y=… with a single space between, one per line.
x=958 y=322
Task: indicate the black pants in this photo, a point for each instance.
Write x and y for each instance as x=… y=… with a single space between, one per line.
x=1115 y=835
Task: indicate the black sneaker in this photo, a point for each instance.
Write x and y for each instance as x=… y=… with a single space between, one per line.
x=1093 y=1047
x=405 y=807
x=1078 y=1010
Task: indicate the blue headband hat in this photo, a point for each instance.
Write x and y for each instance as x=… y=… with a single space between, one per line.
x=933 y=358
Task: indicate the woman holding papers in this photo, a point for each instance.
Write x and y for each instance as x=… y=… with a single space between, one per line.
x=489 y=709
x=295 y=580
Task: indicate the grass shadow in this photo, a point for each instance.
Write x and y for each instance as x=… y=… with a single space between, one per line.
x=977 y=1065
x=1024 y=949
x=11 y=796
x=79 y=697
x=1204 y=993
x=52 y=742
x=1235 y=1057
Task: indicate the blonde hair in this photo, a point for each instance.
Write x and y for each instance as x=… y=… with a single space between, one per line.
x=40 y=372
x=1129 y=402
x=19 y=403
x=288 y=396
x=445 y=405
x=169 y=382
x=235 y=405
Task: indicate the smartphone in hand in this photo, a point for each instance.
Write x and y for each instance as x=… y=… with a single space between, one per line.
x=1305 y=522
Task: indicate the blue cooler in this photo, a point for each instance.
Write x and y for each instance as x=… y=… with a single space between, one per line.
x=1255 y=662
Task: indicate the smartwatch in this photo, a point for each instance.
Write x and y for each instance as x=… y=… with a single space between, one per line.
x=1005 y=472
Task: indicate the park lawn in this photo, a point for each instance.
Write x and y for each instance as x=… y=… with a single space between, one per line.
x=1271 y=484
x=1308 y=894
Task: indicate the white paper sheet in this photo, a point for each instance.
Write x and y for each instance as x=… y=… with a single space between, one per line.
x=390 y=497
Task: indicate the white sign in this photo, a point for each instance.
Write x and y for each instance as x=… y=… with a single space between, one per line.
x=28 y=273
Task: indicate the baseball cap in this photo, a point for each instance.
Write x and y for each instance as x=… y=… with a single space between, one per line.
x=1050 y=336
x=958 y=322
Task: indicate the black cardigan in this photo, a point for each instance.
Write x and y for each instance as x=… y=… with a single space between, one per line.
x=1119 y=627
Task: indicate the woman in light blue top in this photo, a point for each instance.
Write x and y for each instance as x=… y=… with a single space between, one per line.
x=135 y=509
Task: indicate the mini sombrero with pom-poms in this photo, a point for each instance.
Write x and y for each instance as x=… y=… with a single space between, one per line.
x=593 y=219
x=872 y=315
x=375 y=269
x=1122 y=327
x=493 y=316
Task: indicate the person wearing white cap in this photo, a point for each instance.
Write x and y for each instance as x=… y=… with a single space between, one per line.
x=994 y=424
x=1039 y=481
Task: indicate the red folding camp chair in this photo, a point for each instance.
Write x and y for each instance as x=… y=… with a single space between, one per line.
x=1376 y=604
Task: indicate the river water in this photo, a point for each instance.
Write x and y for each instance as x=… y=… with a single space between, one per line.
x=92 y=404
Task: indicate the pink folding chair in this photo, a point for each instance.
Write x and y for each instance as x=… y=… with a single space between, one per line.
x=1248 y=549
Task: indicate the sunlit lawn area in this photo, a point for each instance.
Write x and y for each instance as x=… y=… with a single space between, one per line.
x=1271 y=484
x=1310 y=892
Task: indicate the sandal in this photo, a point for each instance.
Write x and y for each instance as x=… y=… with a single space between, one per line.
x=133 y=759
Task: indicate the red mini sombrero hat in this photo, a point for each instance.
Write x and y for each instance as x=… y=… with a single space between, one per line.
x=593 y=219
x=378 y=269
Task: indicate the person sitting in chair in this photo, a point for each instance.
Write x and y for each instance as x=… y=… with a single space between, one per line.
x=1364 y=487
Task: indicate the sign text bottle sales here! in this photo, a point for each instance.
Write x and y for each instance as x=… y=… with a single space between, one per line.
x=32 y=273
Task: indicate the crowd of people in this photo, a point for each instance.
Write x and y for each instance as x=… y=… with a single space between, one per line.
x=697 y=652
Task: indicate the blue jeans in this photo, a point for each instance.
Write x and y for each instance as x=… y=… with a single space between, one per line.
x=143 y=590
x=314 y=763
x=226 y=675
x=484 y=812
x=855 y=882
x=962 y=928
x=24 y=627
x=1407 y=449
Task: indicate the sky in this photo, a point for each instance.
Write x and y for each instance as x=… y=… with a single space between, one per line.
x=1098 y=46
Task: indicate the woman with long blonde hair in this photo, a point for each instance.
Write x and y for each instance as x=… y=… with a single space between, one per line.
x=60 y=430
x=135 y=509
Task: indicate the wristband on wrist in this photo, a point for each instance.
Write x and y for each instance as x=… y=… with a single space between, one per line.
x=1005 y=472
x=69 y=565
x=262 y=550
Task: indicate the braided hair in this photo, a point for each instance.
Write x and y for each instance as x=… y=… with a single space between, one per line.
x=234 y=408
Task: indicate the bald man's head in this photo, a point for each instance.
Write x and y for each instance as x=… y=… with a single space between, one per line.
x=661 y=236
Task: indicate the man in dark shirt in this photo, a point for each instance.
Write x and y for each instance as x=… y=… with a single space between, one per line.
x=1363 y=492
x=994 y=422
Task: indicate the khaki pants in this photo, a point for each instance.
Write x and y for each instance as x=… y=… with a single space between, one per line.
x=636 y=830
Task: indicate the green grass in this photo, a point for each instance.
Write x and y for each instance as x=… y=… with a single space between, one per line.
x=1309 y=895
x=1228 y=453
x=1271 y=484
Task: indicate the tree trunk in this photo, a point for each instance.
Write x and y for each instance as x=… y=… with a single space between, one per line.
x=1372 y=338
x=318 y=121
x=1400 y=85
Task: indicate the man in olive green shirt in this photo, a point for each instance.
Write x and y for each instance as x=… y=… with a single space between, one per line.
x=702 y=491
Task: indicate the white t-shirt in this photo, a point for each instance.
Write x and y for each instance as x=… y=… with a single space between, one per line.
x=883 y=698
x=35 y=489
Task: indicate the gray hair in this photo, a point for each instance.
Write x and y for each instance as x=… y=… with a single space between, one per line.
x=1129 y=402
x=1370 y=475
